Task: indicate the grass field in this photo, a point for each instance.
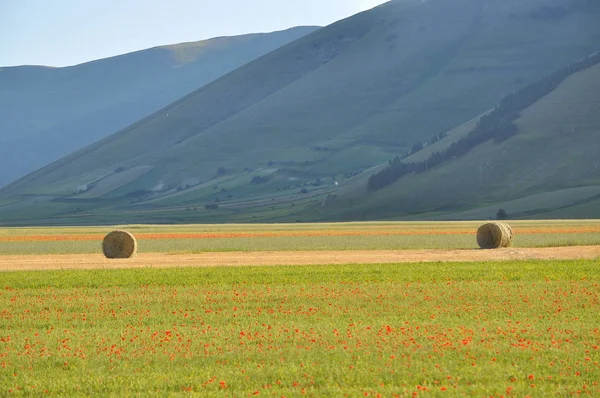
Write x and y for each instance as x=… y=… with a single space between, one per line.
x=500 y=329
x=503 y=328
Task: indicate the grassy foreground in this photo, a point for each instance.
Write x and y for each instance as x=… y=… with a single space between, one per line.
x=499 y=329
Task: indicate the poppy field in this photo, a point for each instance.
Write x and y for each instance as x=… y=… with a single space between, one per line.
x=404 y=329
x=494 y=329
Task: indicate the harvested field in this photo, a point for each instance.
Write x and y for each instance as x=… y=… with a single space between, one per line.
x=216 y=259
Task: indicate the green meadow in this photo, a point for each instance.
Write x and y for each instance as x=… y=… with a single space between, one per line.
x=452 y=329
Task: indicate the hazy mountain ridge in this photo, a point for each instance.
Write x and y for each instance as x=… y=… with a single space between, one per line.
x=47 y=113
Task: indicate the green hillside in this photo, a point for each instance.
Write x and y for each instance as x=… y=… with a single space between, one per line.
x=549 y=169
x=279 y=138
x=47 y=113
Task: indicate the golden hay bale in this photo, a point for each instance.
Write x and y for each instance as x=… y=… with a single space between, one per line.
x=119 y=244
x=495 y=235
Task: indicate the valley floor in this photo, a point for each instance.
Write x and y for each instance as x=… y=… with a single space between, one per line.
x=357 y=309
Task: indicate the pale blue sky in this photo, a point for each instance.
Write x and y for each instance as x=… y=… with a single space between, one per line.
x=68 y=32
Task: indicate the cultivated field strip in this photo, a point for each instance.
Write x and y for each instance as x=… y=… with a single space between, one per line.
x=225 y=235
x=195 y=239
x=227 y=259
x=528 y=226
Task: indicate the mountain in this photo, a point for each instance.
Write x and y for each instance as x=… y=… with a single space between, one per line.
x=47 y=113
x=285 y=134
x=548 y=168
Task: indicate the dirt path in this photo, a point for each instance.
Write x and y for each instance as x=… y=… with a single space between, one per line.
x=163 y=260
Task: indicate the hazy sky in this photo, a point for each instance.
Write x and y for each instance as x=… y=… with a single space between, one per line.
x=68 y=32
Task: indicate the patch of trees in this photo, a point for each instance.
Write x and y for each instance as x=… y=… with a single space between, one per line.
x=497 y=125
x=257 y=180
x=212 y=206
x=436 y=138
x=140 y=193
x=501 y=215
x=351 y=174
x=419 y=147
x=321 y=149
x=85 y=188
x=416 y=147
x=183 y=187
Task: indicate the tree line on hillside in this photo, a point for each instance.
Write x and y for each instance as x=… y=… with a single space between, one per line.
x=497 y=125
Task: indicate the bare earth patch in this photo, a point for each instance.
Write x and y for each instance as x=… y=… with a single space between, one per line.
x=221 y=259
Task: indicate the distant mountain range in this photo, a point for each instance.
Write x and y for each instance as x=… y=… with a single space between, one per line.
x=47 y=113
x=296 y=134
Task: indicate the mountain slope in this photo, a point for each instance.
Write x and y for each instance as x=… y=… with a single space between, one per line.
x=321 y=109
x=550 y=168
x=46 y=113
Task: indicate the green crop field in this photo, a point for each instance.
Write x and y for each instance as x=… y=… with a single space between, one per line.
x=494 y=329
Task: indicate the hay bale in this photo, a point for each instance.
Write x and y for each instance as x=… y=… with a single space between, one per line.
x=119 y=244
x=495 y=235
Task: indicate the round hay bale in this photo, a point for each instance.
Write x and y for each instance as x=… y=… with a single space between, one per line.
x=495 y=235
x=119 y=244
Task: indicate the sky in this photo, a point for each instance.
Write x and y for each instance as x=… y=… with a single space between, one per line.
x=69 y=32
